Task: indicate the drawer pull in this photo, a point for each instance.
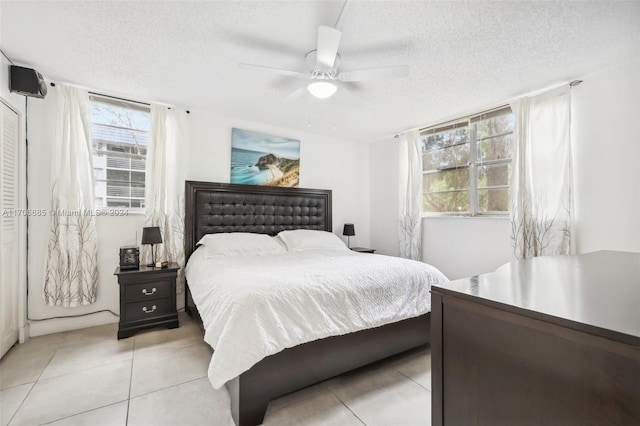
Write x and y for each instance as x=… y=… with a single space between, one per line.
x=147 y=311
x=146 y=293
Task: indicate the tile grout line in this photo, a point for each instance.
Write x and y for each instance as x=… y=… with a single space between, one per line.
x=195 y=341
x=87 y=341
x=74 y=414
x=325 y=388
x=410 y=378
x=133 y=356
x=32 y=386
x=189 y=342
x=21 y=403
x=141 y=349
x=82 y=412
x=86 y=369
x=45 y=367
x=57 y=347
x=16 y=385
x=347 y=407
x=169 y=387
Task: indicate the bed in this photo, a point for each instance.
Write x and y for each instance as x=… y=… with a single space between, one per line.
x=216 y=208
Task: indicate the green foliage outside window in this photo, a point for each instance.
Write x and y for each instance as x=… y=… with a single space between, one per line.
x=467 y=165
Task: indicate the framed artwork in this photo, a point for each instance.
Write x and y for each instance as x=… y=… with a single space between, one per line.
x=261 y=159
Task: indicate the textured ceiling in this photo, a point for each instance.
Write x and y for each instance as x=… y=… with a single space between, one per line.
x=462 y=55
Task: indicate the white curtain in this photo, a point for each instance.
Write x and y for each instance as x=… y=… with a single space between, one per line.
x=541 y=186
x=71 y=276
x=164 y=187
x=410 y=180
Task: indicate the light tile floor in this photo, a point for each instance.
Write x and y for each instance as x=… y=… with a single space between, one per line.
x=159 y=377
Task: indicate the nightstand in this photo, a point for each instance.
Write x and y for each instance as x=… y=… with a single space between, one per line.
x=147 y=299
x=363 y=250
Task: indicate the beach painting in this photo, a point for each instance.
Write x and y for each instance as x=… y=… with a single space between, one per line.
x=260 y=159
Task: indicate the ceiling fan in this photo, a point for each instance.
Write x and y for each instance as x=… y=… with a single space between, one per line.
x=324 y=76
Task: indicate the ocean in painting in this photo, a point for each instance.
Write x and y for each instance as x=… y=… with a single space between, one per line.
x=279 y=159
x=244 y=169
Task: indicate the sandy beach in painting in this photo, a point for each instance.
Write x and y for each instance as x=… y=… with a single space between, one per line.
x=260 y=159
x=275 y=172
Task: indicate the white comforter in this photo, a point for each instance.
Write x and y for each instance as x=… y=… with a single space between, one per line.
x=253 y=307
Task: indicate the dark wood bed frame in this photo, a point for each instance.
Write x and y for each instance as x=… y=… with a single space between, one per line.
x=219 y=207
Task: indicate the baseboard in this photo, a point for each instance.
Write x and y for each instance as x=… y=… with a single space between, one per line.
x=40 y=328
x=23 y=333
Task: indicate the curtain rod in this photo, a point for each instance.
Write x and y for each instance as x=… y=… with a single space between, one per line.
x=572 y=83
x=112 y=96
x=116 y=98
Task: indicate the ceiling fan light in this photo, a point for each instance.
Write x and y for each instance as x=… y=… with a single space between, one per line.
x=322 y=89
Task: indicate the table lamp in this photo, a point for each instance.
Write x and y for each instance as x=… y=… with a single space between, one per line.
x=349 y=230
x=151 y=235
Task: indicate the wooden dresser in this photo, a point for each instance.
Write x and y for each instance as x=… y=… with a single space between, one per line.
x=545 y=341
x=147 y=299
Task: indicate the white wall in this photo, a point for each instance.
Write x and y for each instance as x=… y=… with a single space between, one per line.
x=461 y=247
x=325 y=163
x=384 y=202
x=17 y=103
x=339 y=165
x=606 y=152
x=606 y=145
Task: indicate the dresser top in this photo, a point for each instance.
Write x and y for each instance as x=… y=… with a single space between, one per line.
x=144 y=269
x=596 y=292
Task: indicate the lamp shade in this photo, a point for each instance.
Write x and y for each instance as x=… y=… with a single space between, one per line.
x=151 y=235
x=349 y=230
x=322 y=89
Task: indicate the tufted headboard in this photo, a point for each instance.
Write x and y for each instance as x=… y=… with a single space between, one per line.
x=224 y=207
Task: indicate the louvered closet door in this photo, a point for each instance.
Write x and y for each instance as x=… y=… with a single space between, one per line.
x=8 y=228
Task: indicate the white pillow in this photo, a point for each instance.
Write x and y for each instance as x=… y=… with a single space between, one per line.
x=307 y=239
x=239 y=244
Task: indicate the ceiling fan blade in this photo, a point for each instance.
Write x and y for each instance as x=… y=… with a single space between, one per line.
x=328 y=43
x=250 y=67
x=348 y=89
x=296 y=94
x=374 y=73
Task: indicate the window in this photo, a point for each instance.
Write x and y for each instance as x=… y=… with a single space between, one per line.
x=120 y=132
x=466 y=164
